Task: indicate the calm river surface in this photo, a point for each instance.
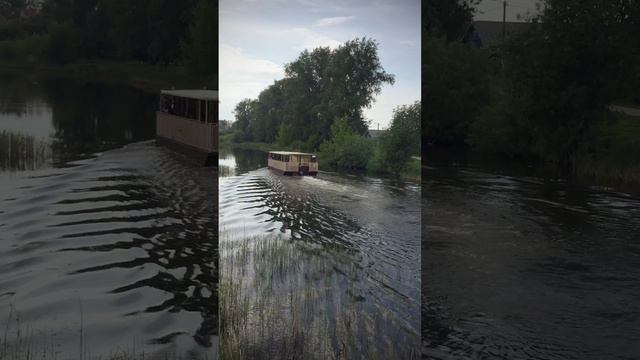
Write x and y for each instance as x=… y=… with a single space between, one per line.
x=516 y=267
x=325 y=267
x=107 y=243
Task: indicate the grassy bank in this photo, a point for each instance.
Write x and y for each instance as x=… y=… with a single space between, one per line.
x=615 y=155
x=136 y=74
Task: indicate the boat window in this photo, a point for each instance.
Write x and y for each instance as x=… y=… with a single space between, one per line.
x=313 y=158
x=286 y=158
x=202 y=105
x=212 y=112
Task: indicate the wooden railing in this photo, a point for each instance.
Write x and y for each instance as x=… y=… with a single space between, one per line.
x=195 y=133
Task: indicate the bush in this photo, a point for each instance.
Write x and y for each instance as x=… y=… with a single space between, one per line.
x=346 y=149
x=396 y=147
x=27 y=51
x=64 y=43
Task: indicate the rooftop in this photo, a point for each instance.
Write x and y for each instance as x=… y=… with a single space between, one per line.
x=193 y=94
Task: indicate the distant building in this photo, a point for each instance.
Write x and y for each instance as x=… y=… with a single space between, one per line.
x=225 y=126
x=489 y=33
x=375 y=133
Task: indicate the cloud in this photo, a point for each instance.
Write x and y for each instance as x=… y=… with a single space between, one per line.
x=408 y=42
x=243 y=76
x=232 y=59
x=332 y=21
x=309 y=39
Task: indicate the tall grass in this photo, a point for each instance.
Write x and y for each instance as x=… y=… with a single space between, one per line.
x=282 y=298
x=22 y=152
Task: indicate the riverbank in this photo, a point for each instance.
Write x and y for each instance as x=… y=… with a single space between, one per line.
x=413 y=172
x=136 y=74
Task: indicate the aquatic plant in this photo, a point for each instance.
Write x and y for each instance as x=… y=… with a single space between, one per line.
x=22 y=152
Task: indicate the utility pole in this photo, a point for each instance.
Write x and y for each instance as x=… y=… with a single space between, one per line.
x=504 y=20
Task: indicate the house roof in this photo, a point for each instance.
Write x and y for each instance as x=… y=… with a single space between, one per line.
x=198 y=94
x=490 y=32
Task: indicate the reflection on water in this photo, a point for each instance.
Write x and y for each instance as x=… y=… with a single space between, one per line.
x=113 y=251
x=131 y=235
x=320 y=267
x=520 y=267
x=75 y=120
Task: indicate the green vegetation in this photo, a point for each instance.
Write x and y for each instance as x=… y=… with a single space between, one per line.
x=318 y=106
x=165 y=36
x=545 y=93
x=278 y=300
x=22 y=152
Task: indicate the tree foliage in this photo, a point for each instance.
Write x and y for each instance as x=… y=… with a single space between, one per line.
x=319 y=87
x=561 y=76
x=346 y=149
x=400 y=142
x=447 y=18
x=456 y=81
x=151 y=31
x=201 y=50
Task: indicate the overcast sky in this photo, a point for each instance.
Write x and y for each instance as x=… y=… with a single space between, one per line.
x=258 y=37
x=492 y=9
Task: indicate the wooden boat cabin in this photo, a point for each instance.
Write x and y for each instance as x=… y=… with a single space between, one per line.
x=293 y=163
x=187 y=121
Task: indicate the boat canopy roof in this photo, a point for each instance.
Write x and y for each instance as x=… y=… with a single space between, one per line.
x=290 y=153
x=199 y=94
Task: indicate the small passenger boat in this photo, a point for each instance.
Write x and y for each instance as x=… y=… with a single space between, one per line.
x=293 y=163
x=187 y=121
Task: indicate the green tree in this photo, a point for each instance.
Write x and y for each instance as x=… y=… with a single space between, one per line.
x=561 y=76
x=346 y=149
x=447 y=18
x=64 y=43
x=400 y=142
x=243 y=113
x=456 y=87
x=320 y=86
x=200 y=51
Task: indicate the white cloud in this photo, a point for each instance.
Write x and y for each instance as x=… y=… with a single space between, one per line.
x=309 y=39
x=408 y=42
x=243 y=76
x=232 y=59
x=332 y=21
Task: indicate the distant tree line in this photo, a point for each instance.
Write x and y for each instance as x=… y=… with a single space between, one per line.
x=543 y=92
x=164 y=32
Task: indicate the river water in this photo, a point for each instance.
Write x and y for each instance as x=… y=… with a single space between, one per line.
x=517 y=266
x=108 y=244
x=328 y=267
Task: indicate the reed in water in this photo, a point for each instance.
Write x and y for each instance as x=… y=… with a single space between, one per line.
x=20 y=152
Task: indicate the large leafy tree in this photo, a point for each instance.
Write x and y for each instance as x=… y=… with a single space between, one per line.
x=201 y=50
x=566 y=70
x=447 y=18
x=319 y=87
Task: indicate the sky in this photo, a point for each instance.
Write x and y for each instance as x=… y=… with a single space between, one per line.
x=258 y=37
x=491 y=10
